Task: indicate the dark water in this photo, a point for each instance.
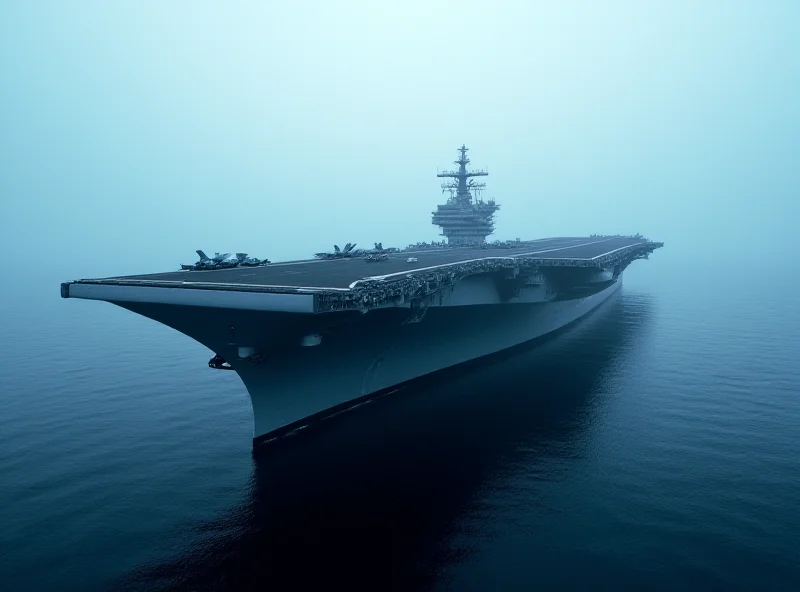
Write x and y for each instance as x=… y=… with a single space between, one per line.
x=654 y=445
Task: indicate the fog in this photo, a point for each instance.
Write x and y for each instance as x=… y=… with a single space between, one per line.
x=133 y=133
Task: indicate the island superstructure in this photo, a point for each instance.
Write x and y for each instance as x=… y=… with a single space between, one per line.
x=464 y=219
x=311 y=337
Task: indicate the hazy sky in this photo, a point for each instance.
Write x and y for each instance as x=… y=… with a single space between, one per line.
x=133 y=133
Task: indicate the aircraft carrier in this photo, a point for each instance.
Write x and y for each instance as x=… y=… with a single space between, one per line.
x=312 y=337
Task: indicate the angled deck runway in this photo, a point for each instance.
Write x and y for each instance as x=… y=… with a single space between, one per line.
x=341 y=273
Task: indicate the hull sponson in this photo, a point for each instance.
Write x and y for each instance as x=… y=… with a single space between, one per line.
x=360 y=353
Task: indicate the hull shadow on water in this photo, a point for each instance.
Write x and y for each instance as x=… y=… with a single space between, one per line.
x=372 y=498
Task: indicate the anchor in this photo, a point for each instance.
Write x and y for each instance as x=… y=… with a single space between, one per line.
x=219 y=363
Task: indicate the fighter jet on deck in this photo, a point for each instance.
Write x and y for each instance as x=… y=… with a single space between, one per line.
x=251 y=261
x=223 y=261
x=337 y=252
x=350 y=251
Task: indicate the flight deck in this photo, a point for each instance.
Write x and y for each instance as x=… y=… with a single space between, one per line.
x=346 y=273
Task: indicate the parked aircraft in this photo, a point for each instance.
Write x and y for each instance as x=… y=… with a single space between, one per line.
x=349 y=250
x=223 y=261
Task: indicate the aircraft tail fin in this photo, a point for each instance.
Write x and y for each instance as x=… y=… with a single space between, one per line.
x=203 y=256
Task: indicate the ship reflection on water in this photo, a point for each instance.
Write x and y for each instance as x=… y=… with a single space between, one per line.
x=379 y=498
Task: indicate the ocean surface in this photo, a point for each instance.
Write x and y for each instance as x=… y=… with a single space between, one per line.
x=654 y=445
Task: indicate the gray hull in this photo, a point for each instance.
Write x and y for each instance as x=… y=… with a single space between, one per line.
x=357 y=354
